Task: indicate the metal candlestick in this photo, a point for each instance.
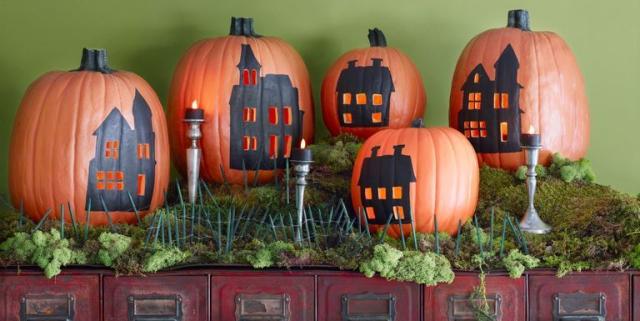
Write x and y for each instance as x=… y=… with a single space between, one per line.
x=194 y=117
x=301 y=169
x=531 y=222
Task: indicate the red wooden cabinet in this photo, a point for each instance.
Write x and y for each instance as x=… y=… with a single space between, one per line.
x=166 y=298
x=351 y=296
x=265 y=296
x=33 y=297
x=585 y=296
x=451 y=302
x=636 y=297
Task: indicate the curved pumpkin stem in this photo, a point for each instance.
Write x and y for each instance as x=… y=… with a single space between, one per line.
x=242 y=27
x=377 y=38
x=417 y=123
x=518 y=18
x=94 y=60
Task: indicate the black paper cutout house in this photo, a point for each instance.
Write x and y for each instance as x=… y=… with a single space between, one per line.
x=364 y=94
x=124 y=161
x=266 y=120
x=385 y=182
x=490 y=114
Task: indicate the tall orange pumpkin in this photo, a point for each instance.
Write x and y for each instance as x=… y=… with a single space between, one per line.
x=89 y=136
x=256 y=96
x=511 y=80
x=370 y=89
x=419 y=173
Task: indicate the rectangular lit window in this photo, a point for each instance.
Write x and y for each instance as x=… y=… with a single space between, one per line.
x=382 y=193
x=112 y=149
x=466 y=124
x=376 y=117
x=143 y=151
x=245 y=142
x=371 y=213
x=474 y=124
x=100 y=175
x=504 y=100
x=376 y=99
x=273 y=115
x=346 y=118
x=474 y=133
x=273 y=146
x=141 y=184
x=245 y=77
x=496 y=101
x=483 y=124
x=287 y=116
x=475 y=100
x=361 y=98
x=147 y=151
x=483 y=133
x=287 y=145
x=504 y=131
x=398 y=212
x=254 y=77
x=397 y=192
x=119 y=186
x=346 y=99
x=99 y=185
x=254 y=143
x=467 y=133
x=367 y=193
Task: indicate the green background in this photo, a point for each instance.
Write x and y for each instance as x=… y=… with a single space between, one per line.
x=149 y=36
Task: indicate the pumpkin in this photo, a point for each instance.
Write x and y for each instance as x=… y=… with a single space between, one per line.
x=256 y=97
x=513 y=80
x=416 y=173
x=92 y=137
x=370 y=89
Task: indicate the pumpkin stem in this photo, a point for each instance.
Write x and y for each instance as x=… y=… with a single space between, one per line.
x=94 y=60
x=242 y=27
x=518 y=18
x=417 y=123
x=377 y=38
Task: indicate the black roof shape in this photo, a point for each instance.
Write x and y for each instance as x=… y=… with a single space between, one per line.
x=507 y=57
x=114 y=117
x=247 y=58
x=386 y=170
x=479 y=69
x=351 y=76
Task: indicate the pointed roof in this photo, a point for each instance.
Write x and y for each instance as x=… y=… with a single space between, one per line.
x=114 y=118
x=141 y=111
x=479 y=69
x=507 y=57
x=247 y=58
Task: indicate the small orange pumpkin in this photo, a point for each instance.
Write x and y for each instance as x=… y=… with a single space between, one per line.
x=89 y=138
x=256 y=97
x=510 y=80
x=416 y=173
x=370 y=89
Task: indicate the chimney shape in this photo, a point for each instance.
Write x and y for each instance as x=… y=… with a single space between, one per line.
x=352 y=63
x=377 y=62
x=397 y=150
x=374 y=151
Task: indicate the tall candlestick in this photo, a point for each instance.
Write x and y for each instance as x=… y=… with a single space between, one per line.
x=301 y=158
x=531 y=222
x=194 y=116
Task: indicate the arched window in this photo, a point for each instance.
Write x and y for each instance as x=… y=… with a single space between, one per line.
x=254 y=77
x=245 y=77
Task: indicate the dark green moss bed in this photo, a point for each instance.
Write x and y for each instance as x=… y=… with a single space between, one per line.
x=594 y=228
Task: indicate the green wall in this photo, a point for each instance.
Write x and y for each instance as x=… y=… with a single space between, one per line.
x=149 y=36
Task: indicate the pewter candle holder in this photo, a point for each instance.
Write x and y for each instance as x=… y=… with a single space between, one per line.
x=301 y=169
x=531 y=222
x=194 y=117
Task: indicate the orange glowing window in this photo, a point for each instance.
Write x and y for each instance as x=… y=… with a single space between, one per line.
x=249 y=114
x=273 y=146
x=504 y=97
x=141 y=184
x=483 y=124
x=504 y=131
x=346 y=118
x=483 y=133
x=119 y=175
x=287 y=145
x=273 y=115
x=397 y=192
x=474 y=133
x=346 y=99
x=254 y=77
x=287 y=115
x=467 y=133
x=361 y=98
x=99 y=185
x=144 y=151
x=475 y=100
x=382 y=193
x=111 y=175
x=376 y=99
x=376 y=117
x=254 y=143
x=245 y=77
x=476 y=78
x=496 y=101
x=466 y=124
x=109 y=180
x=367 y=193
x=246 y=142
x=371 y=213
x=110 y=185
x=100 y=175
x=474 y=124
x=112 y=149
x=119 y=186
x=398 y=212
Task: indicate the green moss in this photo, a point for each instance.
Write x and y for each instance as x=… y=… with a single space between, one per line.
x=634 y=257
x=569 y=170
x=521 y=172
x=267 y=255
x=423 y=268
x=163 y=258
x=384 y=260
x=516 y=263
x=112 y=245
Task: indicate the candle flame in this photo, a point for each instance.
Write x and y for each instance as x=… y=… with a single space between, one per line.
x=532 y=130
x=303 y=144
x=194 y=104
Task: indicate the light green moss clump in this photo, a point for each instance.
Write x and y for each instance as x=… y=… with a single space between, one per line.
x=268 y=255
x=569 y=170
x=337 y=154
x=634 y=257
x=384 y=260
x=163 y=258
x=423 y=268
x=516 y=263
x=112 y=246
x=521 y=172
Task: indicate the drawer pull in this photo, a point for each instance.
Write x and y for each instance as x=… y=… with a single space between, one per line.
x=579 y=306
x=262 y=307
x=368 y=306
x=155 y=307
x=461 y=307
x=47 y=307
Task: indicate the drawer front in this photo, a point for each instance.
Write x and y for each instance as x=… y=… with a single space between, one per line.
x=636 y=297
x=452 y=302
x=36 y=298
x=156 y=298
x=354 y=298
x=265 y=297
x=596 y=297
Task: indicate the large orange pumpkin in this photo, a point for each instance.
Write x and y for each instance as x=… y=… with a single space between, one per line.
x=510 y=80
x=92 y=135
x=419 y=173
x=370 y=89
x=256 y=96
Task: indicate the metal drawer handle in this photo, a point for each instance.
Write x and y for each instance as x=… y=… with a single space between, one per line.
x=368 y=306
x=47 y=307
x=461 y=307
x=579 y=306
x=155 y=307
x=262 y=307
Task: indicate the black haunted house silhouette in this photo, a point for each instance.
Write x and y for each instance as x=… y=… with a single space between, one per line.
x=385 y=186
x=124 y=162
x=363 y=94
x=265 y=117
x=490 y=114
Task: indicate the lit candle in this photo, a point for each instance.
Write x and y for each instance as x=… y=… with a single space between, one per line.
x=194 y=113
x=301 y=154
x=530 y=138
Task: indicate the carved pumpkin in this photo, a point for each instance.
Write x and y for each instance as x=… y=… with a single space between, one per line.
x=416 y=172
x=92 y=135
x=256 y=97
x=510 y=79
x=370 y=89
